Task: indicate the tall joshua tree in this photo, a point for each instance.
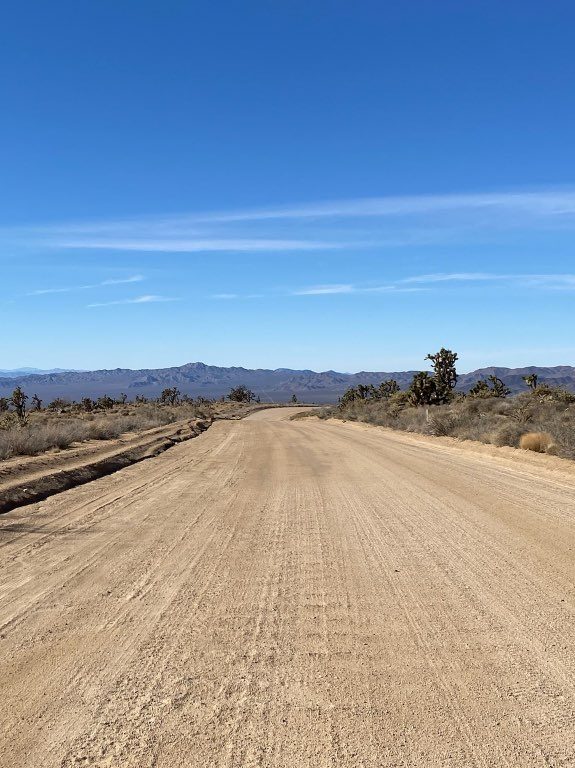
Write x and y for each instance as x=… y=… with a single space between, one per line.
x=18 y=401
x=444 y=373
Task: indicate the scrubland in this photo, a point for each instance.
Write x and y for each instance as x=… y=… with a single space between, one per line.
x=57 y=429
x=545 y=419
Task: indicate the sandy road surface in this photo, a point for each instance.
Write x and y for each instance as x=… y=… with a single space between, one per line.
x=281 y=593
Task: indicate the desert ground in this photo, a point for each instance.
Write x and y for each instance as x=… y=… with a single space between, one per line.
x=294 y=593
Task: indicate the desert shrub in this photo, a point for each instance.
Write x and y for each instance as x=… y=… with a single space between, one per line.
x=30 y=440
x=442 y=424
x=508 y=433
x=547 y=394
x=495 y=420
x=536 y=441
x=59 y=404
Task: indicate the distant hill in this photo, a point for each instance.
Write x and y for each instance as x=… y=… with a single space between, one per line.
x=272 y=385
x=10 y=374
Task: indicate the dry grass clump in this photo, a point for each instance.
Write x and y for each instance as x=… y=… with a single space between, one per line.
x=31 y=440
x=47 y=430
x=499 y=421
x=541 y=442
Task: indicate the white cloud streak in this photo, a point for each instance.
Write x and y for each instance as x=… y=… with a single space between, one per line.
x=377 y=222
x=551 y=281
x=339 y=289
x=554 y=203
x=197 y=246
x=148 y=299
x=73 y=288
x=429 y=281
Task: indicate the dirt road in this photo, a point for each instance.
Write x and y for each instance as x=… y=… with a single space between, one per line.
x=279 y=593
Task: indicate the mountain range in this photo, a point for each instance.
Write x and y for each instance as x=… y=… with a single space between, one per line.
x=14 y=372
x=276 y=385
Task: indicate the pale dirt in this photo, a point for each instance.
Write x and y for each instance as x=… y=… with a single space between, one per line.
x=303 y=593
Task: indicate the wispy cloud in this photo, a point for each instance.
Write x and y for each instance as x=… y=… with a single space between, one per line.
x=230 y=296
x=347 y=288
x=429 y=281
x=168 y=245
x=551 y=281
x=448 y=277
x=325 y=290
x=376 y=222
x=72 y=288
x=148 y=299
x=544 y=202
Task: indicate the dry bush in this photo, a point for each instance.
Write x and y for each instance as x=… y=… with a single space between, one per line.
x=540 y=442
x=32 y=439
x=442 y=424
x=508 y=433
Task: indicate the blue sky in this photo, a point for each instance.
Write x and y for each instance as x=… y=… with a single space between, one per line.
x=310 y=185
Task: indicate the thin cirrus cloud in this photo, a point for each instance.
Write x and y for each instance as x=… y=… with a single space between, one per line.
x=556 y=281
x=393 y=221
x=148 y=299
x=166 y=245
x=339 y=289
x=73 y=288
x=542 y=202
x=430 y=281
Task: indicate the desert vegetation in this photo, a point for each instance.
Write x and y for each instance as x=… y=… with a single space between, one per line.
x=242 y=394
x=29 y=431
x=540 y=419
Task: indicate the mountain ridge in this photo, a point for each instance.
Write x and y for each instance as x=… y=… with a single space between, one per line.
x=278 y=384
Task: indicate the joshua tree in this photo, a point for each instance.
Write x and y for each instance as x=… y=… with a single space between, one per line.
x=493 y=387
x=105 y=403
x=365 y=391
x=59 y=404
x=388 y=388
x=87 y=404
x=170 y=396
x=444 y=373
x=531 y=381
x=348 y=397
x=122 y=398
x=423 y=390
x=37 y=403
x=4 y=404
x=18 y=401
x=294 y=398
x=241 y=394
x=498 y=387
